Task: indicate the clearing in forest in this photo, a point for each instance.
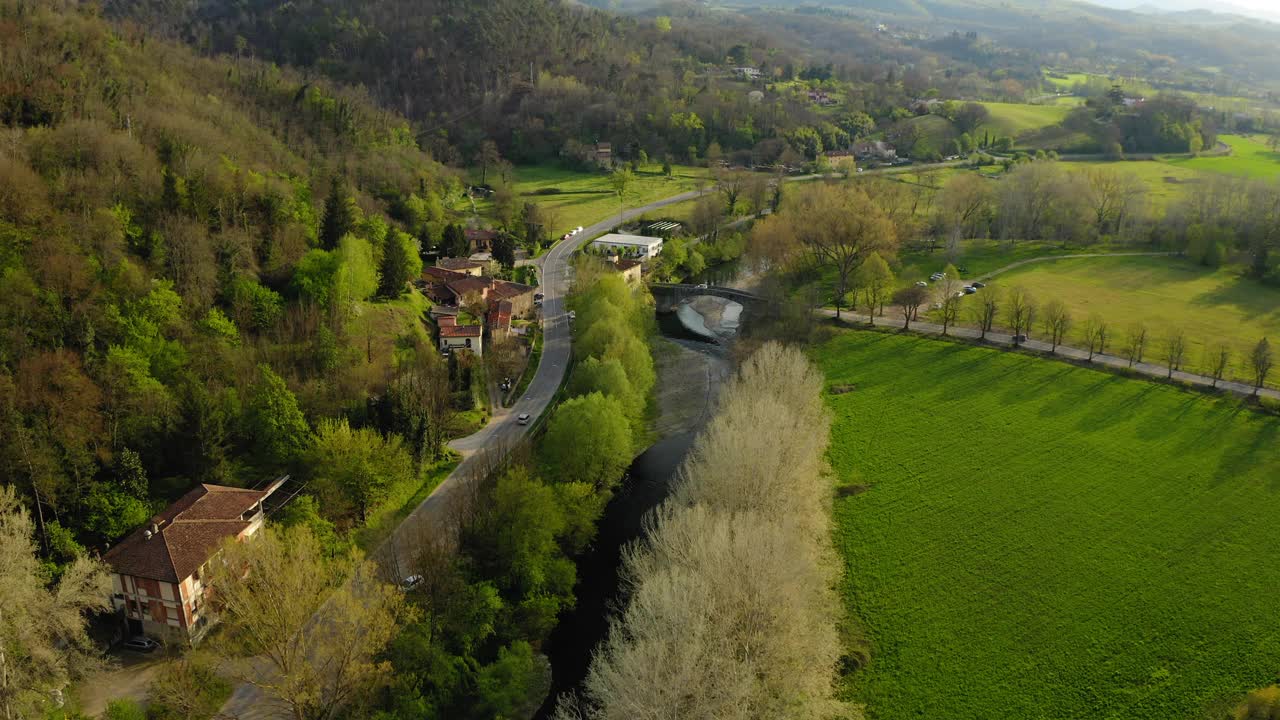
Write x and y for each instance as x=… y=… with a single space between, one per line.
x=1042 y=540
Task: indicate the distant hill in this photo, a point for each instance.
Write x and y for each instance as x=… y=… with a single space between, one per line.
x=1197 y=8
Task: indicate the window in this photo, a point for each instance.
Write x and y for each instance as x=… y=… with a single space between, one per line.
x=468 y=342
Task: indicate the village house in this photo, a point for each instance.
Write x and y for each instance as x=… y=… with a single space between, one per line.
x=636 y=246
x=630 y=270
x=455 y=337
x=747 y=73
x=841 y=159
x=461 y=265
x=875 y=150
x=158 y=571
x=604 y=154
x=480 y=240
x=498 y=319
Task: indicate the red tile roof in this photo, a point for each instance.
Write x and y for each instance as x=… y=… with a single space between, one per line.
x=191 y=530
x=439 y=274
x=460 y=331
x=447 y=321
x=504 y=289
x=500 y=315
x=470 y=284
x=458 y=264
x=623 y=264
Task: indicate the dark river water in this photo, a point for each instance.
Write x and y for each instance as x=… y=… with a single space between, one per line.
x=645 y=486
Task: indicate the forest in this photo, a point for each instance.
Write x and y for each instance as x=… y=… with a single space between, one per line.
x=203 y=268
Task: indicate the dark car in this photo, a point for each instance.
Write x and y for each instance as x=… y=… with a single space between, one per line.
x=979 y=285
x=141 y=644
x=1019 y=338
x=969 y=290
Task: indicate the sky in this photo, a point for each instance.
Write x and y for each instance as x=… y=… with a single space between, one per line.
x=1259 y=8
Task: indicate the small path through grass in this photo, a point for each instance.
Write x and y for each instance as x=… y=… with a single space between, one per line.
x=1028 y=261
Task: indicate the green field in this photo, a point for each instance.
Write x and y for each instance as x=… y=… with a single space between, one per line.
x=1250 y=157
x=1165 y=293
x=1038 y=540
x=577 y=198
x=1014 y=119
x=1166 y=181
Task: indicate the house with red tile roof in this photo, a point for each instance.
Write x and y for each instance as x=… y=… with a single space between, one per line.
x=461 y=265
x=455 y=337
x=158 y=571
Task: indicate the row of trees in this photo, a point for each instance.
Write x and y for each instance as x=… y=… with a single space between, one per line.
x=731 y=609
x=1022 y=314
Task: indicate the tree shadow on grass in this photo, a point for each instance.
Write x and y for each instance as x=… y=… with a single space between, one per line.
x=1125 y=408
x=1241 y=458
x=1244 y=294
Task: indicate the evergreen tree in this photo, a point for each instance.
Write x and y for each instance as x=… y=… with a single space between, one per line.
x=339 y=217
x=400 y=264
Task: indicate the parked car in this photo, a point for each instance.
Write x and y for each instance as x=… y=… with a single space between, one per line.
x=141 y=644
x=573 y=315
x=979 y=285
x=937 y=276
x=410 y=583
x=522 y=419
x=921 y=283
x=969 y=289
x=538 y=296
x=702 y=286
x=578 y=230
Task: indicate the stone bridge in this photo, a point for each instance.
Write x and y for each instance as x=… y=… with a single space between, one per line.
x=669 y=295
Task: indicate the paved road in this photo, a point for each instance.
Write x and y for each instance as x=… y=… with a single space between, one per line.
x=999 y=338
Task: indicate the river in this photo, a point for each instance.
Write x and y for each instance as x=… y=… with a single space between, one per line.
x=690 y=371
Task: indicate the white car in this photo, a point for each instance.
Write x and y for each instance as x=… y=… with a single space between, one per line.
x=522 y=419
x=410 y=583
x=575 y=232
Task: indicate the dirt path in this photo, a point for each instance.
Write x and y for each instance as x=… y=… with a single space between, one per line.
x=1048 y=258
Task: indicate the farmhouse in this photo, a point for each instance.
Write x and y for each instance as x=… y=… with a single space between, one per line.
x=629 y=269
x=158 y=572
x=747 y=73
x=459 y=337
x=875 y=150
x=480 y=240
x=461 y=265
x=637 y=246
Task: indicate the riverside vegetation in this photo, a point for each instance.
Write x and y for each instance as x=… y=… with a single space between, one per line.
x=729 y=607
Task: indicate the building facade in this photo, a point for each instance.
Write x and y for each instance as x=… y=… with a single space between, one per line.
x=158 y=572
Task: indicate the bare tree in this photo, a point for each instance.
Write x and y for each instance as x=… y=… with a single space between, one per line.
x=910 y=299
x=1135 y=343
x=320 y=625
x=1113 y=197
x=986 y=311
x=949 y=286
x=1260 y=361
x=962 y=203
x=1056 y=321
x=1175 y=351
x=1218 y=359
x=43 y=643
x=1020 y=311
x=1095 y=334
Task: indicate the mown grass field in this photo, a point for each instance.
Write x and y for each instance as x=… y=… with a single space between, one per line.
x=1166 y=293
x=1014 y=119
x=577 y=198
x=1039 y=540
x=1166 y=181
x=1250 y=157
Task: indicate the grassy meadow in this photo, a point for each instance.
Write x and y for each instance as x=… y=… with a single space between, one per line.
x=1250 y=157
x=581 y=198
x=1038 y=540
x=1211 y=305
x=1013 y=119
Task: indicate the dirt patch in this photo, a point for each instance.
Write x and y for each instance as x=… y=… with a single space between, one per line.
x=841 y=389
x=844 y=491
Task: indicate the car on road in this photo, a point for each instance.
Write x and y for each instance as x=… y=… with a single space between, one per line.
x=141 y=644
x=1019 y=338
x=573 y=315
x=702 y=286
x=979 y=285
x=522 y=419
x=410 y=583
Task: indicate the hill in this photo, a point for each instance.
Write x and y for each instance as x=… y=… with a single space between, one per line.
x=170 y=275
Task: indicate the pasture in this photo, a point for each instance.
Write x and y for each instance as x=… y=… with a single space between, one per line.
x=1013 y=119
x=576 y=198
x=1250 y=157
x=1037 y=540
x=1210 y=305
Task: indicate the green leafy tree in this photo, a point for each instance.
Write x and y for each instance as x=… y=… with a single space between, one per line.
x=254 y=306
x=274 y=424
x=400 y=264
x=876 y=280
x=316 y=277
x=454 y=242
x=352 y=470
x=339 y=215
x=622 y=180
x=589 y=440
